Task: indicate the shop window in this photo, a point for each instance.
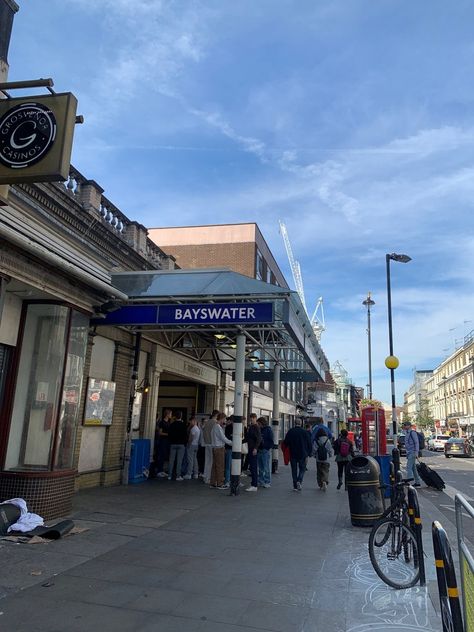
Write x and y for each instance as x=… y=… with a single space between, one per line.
x=48 y=388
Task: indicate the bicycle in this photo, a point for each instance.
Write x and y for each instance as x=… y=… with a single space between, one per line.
x=393 y=547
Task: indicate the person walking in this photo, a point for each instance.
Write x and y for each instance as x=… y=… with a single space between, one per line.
x=162 y=444
x=298 y=440
x=254 y=439
x=192 y=449
x=219 y=441
x=264 y=452
x=320 y=425
x=206 y=441
x=412 y=447
x=344 y=451
x=322 y=452
x=178 y=438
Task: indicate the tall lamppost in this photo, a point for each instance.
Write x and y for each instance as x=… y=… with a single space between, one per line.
x=368 y=303
x=471 y=360
x=391 y=362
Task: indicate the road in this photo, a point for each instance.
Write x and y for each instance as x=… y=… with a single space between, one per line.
x=458 y=474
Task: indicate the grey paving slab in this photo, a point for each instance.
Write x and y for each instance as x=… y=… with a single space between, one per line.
x=39 y=615
x=212 y=607
x=274 y=617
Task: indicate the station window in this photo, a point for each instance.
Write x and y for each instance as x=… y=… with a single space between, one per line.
x=48 y=388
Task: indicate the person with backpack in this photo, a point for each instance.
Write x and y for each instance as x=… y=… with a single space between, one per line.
x=322 y=451
x=344 y=451
x=412 y=447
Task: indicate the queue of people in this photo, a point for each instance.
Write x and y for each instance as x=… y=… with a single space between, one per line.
x=203 y=449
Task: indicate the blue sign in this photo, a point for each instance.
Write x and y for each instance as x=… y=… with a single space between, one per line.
x=190 y=314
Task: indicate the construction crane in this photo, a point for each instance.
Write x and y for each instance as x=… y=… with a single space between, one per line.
x=317 y=319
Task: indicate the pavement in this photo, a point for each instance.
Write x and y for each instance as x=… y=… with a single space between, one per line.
x=178 y=556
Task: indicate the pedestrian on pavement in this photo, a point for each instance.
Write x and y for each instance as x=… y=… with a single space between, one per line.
x=264 y=453
x=298 y=441
x=322 y=452
x=162 y=444
x=412 y=447
x=344 y=451
x=219 y=441
x=192 y=449
x=254 y=439
x=206 y=441
x=178 y=438
x=320 y=425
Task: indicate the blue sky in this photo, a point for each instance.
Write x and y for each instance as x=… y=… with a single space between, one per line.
x=351 y=120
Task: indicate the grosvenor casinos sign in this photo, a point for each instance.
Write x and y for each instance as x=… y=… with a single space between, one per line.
x=36 y=136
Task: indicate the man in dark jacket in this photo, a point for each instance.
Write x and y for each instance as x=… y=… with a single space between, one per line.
x=178 y=438
x=264 y=453
x=254 y=439
x=298 y=441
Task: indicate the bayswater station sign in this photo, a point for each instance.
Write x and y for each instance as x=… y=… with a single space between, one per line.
x=193 y=314
x=36 y=135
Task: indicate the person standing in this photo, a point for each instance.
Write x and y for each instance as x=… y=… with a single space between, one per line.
x=298 y=440
x=322 y=452
x=254 y=439
x=412 y=447
x=264 y=452
x=162 y=444
x=178 y=438
x=344 y=451
x=206 y=441
x=192 y=449
x=320 y=425
x=219 y=441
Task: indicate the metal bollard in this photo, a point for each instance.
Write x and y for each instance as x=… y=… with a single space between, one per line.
x=416 y=524
x=447 y=586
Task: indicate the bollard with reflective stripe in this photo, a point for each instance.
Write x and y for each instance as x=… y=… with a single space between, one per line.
x=415 y=523
x=447 y=585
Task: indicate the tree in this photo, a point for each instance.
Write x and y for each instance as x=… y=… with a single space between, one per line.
x=424 y=419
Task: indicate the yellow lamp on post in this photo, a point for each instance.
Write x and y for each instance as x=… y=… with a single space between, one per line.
x=391 y=362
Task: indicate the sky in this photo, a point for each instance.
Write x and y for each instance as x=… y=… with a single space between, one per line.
x=350 y=120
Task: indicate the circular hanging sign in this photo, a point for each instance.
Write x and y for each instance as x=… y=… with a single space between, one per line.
x=27 y=133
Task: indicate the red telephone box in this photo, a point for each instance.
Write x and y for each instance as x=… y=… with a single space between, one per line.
x=374 y=439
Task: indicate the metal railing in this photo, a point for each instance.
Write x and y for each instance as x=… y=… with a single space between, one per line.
x=466 y=562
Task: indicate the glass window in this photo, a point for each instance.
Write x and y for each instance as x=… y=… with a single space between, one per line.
x=38 y=387
x=72 y=390
x=259 y=271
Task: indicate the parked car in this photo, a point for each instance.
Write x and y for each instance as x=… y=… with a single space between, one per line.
x=401 y=444
x=438 y=442
x=458 y=447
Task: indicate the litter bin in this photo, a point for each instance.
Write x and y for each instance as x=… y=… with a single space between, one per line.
x=365 y=496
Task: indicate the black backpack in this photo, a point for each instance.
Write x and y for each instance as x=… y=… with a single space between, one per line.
x=321 y=450
x=421 y=440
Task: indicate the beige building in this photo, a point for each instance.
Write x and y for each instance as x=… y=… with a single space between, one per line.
x=450 y=390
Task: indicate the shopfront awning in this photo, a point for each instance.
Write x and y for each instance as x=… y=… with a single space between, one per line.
x=200 y=313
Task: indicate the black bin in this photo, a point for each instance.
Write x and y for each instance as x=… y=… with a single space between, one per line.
x=365 y=496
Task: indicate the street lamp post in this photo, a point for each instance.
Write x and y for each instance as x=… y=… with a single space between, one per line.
x=471 y=360
x=392 y=362
x=368 y=303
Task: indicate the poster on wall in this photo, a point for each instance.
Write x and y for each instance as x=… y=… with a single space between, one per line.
x=99 y=402
x=136 y=412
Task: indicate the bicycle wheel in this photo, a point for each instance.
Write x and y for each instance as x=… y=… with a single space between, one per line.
x=394 y=553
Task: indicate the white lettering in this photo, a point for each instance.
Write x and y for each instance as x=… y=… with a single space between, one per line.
x=242 y=312
x=214 y=312
x=204 y=313
x=234 y=310
x=196 y=312
x=27 y=139
x=251 y=312
x=225 y=313
x=178 y=314
x=187 y=314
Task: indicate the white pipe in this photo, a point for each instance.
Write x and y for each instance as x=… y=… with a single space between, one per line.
x=42 y=252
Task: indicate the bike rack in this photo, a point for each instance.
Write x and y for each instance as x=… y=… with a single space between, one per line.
x=415 y=523
x=447 y=586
